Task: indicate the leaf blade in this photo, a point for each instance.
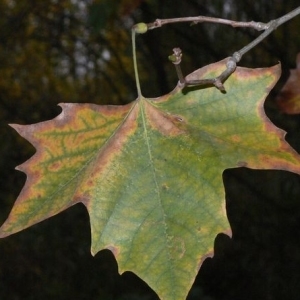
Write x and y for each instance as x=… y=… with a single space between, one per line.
x=149 y=173
x=49 y=167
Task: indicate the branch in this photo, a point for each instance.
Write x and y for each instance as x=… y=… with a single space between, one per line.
x=201 y=19
x=231 y=64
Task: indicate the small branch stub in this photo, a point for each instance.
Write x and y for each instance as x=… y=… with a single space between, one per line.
x=175 y=58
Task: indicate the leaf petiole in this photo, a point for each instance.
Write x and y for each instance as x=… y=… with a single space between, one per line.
x=136 y=73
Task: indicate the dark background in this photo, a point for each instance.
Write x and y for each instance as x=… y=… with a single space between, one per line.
x=80 y=51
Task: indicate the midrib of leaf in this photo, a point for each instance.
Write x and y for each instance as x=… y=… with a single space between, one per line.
x=147 y=138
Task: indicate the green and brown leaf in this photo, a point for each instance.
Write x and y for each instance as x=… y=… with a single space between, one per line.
x=150 y=173
x=288 y=99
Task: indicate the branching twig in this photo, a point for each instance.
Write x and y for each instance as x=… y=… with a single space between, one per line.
x=236 y=56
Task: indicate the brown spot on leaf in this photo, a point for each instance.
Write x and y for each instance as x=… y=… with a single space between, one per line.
x=54 y=167
x=236 y=138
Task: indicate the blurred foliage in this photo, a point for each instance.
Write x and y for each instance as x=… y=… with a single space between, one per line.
x=55 y=51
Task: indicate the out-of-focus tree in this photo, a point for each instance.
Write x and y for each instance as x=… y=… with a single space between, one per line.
x=50 y=53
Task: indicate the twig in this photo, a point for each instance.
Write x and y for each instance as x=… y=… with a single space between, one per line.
x=175 y=58
x=201 y=19
x=236 y=56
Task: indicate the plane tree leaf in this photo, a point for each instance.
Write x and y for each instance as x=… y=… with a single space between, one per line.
x=288 y=99
x=150 y=172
